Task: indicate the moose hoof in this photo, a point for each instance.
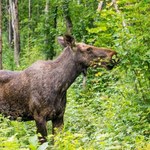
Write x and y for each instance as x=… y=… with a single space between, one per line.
x=42 y=140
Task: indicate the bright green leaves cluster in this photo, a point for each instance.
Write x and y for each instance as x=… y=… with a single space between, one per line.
x=122 y=95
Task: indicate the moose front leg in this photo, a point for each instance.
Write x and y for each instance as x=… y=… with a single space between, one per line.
x=41 y=127
x=58 y=121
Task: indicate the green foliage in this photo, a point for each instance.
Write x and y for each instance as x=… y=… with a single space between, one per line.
x=113 y=111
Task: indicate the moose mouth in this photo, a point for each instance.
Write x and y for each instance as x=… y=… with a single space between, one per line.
x=111 y=63
x=106 y=63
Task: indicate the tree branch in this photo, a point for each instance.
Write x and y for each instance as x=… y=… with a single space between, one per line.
x=118 y=11
x=100 y=6
x=67 y=17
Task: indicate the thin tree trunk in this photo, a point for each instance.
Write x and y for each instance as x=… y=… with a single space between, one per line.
x=50 y=24
x=15 y=25
x=0 y=34
x=47 y=7
x=55 y=18
x=29 y=24
x=10 y=29
x=118 y=11
x=67 y=17
x=100 y=6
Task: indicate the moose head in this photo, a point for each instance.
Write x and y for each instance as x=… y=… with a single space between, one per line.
x=88 y=55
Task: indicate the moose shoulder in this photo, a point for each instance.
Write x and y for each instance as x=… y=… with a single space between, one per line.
x=39 y=92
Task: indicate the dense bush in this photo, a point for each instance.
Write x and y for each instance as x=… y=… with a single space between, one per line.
x=113 y=111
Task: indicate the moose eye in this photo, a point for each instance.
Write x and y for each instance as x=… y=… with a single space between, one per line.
x=89 y=49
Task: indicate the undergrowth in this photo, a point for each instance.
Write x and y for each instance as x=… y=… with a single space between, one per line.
x=93 y=121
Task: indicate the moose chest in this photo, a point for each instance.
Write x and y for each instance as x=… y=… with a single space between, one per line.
x=48 y=98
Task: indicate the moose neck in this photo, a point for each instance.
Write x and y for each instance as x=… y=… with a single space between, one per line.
x=69 y=66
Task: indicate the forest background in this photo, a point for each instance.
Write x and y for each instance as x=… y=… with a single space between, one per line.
x=113 y=111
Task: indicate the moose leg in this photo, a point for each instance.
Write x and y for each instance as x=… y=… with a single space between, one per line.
x=41 y=127
x=57 y=125
x=58 y=121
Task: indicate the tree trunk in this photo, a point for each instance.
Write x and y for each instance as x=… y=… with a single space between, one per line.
x=118 y=11
x=10 y=29
x=0 y=34
x=29 y=24
x=55 y=18
x=67 y=16
x=100 y=6
x=15 y=25
x=50 y=29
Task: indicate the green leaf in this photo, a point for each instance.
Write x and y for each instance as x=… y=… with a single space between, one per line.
x=43 y=146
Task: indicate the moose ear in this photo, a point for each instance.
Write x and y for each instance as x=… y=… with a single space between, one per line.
x=61 y=41
x=67 y=40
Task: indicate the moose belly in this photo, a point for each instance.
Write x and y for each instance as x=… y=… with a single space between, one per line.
x=14 y=101
x=14 y=110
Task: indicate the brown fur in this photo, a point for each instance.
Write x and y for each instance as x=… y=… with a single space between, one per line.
x=39 y=92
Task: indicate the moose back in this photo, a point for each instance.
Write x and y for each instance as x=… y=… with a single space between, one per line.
x=39 y=92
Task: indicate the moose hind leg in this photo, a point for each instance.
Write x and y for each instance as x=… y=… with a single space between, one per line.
x=57 y=124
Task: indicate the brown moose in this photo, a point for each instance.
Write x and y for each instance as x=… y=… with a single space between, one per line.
x=39 y=92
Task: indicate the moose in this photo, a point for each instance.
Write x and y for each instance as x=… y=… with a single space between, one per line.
x=39 y=92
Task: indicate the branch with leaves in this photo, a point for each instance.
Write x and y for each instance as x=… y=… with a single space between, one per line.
x=118 y=11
